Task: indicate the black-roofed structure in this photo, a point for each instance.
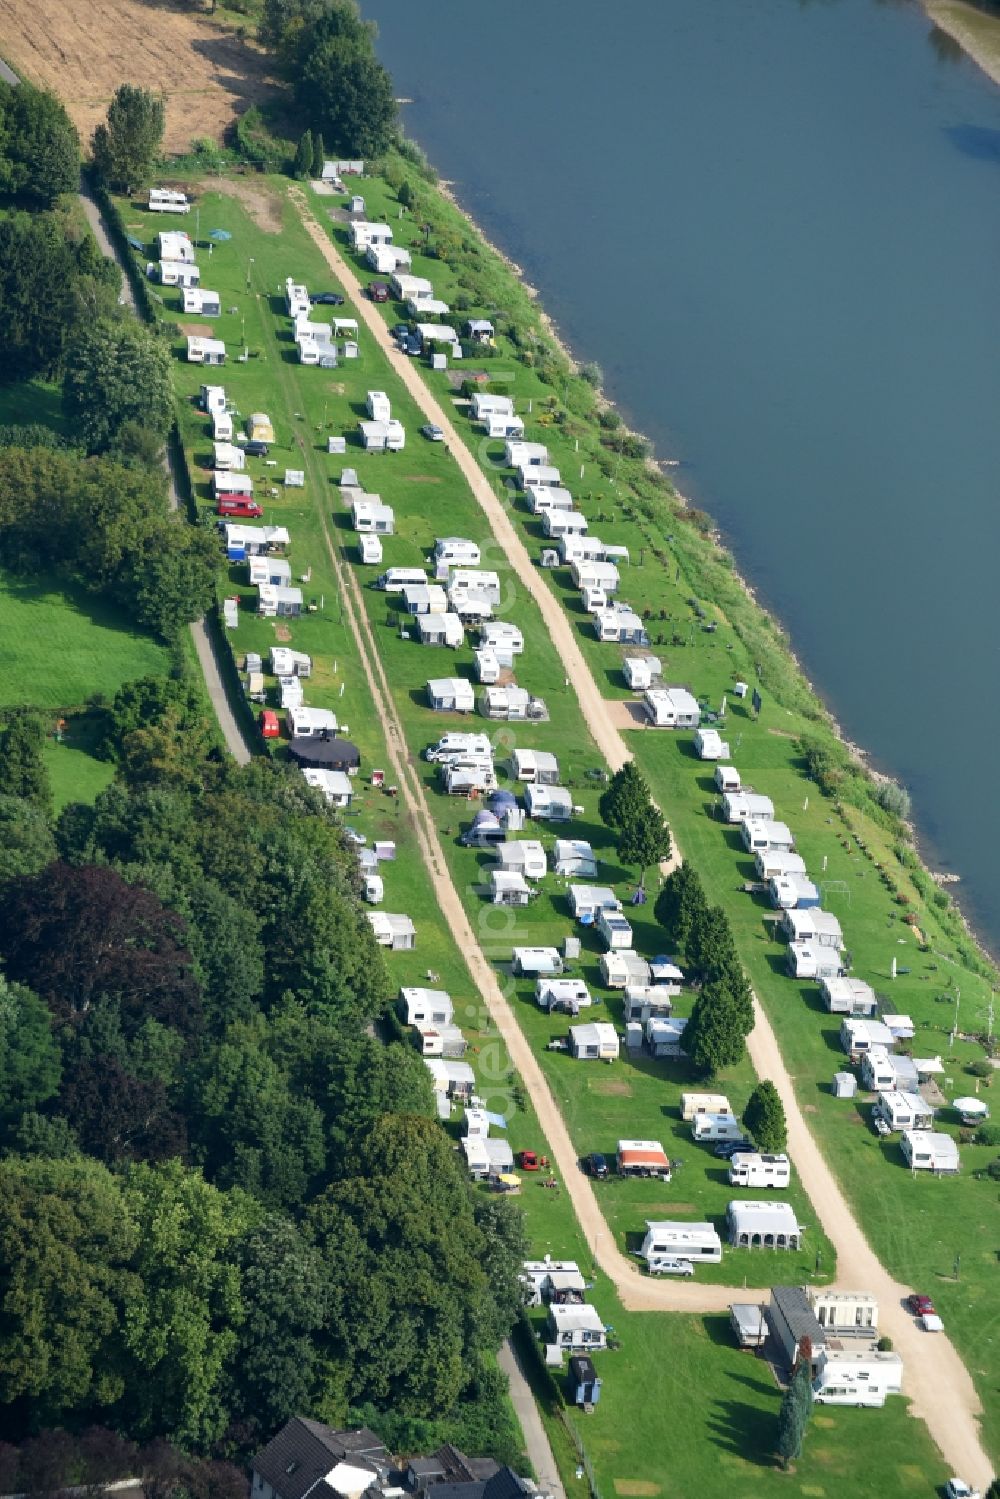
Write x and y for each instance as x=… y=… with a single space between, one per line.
x=793 y=1321
x=295 y=1463
x=324 y=752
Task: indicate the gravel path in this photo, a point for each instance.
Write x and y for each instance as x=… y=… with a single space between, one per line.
x=536 y=1441
x=937 y=1382
x=212 y=668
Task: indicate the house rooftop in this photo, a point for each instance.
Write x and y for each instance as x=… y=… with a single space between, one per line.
x=796 y=1310
x=304 y=1452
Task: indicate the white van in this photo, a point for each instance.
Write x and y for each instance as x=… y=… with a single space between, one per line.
x=398 y=578
x=455 y=551
x=748 y=1168
x=458 y=746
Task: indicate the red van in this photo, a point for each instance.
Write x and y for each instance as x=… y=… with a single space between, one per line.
x=269 y=726
x=378 y=291
x=243 y=505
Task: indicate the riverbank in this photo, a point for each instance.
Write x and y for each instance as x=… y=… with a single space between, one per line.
x=975 y=31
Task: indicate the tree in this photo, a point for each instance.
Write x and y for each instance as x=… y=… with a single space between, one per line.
x=714 y=1037
x=710 y=949
x=23 y=771
x=171 y=578
x=39 y=148
x=119 y=372
x=791 y=1428
x=83 y=934
x=764 y=1118
x=126 y=148
x=645 y=840
x=37 y=274
x=679 y=904
x=25 y=835
x=626 y=798
x=30 y=1065
x=275 y=1369
x=993 y=1492
x=303 y=164
x=349 y=95
x=66 y=1239
x=180 y=1326
x=319 y=155
x=118 y=1117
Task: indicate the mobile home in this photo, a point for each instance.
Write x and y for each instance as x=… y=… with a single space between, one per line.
x=697 y=1242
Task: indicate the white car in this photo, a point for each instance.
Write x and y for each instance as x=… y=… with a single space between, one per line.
x=957 y=1488
x=931 y=1322
x=665 y=1264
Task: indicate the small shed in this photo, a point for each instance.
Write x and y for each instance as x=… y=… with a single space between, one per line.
x=596 y=1042
x=392 y=930
x=844 y=1085
x=583 y=1383
x=451 y=695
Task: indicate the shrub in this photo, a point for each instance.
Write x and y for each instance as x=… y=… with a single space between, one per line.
x=987 y=1134
x=884 y=1344
x=981 y=1068
x=592 y=373
x=893 y=798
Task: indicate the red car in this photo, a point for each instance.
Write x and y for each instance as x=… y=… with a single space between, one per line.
x=269 y=725
x=920 y=1306
x=241 y=504
x=528 y=1160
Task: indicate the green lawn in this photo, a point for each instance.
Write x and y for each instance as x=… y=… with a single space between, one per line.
x=60 y=646
x=32 y=401
x=75 y=774
x=429 y=500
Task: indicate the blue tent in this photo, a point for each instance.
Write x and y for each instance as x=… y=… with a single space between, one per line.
x=219 y=234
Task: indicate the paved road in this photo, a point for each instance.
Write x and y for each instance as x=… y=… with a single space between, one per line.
x=937 y=1382
x=212 y=668
x=536 y=1440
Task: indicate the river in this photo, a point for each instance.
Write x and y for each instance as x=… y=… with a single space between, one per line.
x=776 y=226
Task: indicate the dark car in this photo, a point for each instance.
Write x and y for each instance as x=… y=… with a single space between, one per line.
x=727 y=1148
x=400 y=331
x=920 y=1306
x=255 y=449
x=327 y=299
x=597 y=1165
x=411 y=344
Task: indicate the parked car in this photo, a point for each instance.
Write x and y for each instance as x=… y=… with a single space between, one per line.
x=528 y=1160
x=378 y=291
x=665 y=1264
x=240 y=505
x=432 y=432
x=727 y=1148
x=957 y=1488
x=255 y=449
x=400 y=331
x=327 y=299
x=596 y=1165
x=920 y=1305
x=931 y=1322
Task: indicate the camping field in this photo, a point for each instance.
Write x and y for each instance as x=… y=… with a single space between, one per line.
x=727 y=1402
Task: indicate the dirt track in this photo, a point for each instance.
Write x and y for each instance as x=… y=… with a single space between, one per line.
x=83 y=49
x=936 y=1381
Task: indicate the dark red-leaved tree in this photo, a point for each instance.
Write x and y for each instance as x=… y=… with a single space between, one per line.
x=77 y=935
x=118 y=1117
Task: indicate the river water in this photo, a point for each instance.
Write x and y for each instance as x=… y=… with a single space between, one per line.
x=776 y=226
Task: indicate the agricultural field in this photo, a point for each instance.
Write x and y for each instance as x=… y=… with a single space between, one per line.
x=732 y=1403
x=83 y=52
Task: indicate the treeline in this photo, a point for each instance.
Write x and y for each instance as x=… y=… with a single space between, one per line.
x=105 y=522
x=222 y=1198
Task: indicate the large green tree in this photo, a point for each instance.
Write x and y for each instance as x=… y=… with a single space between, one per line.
x=37 y=272
x=626 y=797
x=39 y=148
x=347 y=92
x=118 y=372
x=764 y=1118
x=30 y=1064
x=715 y=1035
x=680 y=903
x=126 y=147
x=180 y=1328
x=23 y=771
x=644 y=840
x=67 y=1237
